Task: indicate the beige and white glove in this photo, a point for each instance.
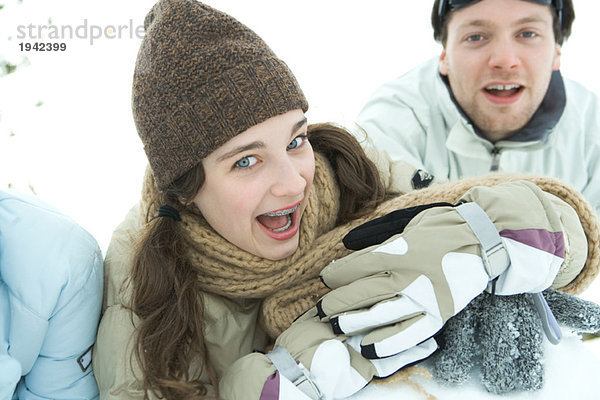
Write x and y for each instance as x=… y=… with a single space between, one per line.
x=388 y=300
x=399 y=293
x=310 y=361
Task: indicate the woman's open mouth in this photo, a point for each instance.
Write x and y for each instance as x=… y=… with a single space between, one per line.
x=281 y=224
x=278 y=221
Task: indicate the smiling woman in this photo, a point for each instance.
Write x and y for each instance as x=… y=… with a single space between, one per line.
x=244 y=202
x=240 y=195
x=257 y=186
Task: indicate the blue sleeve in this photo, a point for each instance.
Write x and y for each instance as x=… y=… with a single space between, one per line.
x=51 y=275
x=63 y=369
x=9 y=367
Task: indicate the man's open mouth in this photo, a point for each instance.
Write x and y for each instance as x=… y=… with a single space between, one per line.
x=280 y=220
x=503 y=90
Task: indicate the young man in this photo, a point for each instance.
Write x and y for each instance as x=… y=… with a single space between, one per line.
x=494 y=100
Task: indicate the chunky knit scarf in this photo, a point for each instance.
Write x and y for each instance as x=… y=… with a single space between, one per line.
x=226 y=270
x=291 y=286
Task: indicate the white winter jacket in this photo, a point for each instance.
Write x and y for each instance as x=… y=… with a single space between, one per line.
x=415 y=120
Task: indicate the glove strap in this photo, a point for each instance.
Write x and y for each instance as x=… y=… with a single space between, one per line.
x=494 y=254
x=294 y=372
x=549 y=323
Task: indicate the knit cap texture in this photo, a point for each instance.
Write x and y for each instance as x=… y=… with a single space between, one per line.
x=201 y=78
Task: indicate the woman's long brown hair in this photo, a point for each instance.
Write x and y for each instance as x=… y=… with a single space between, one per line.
x=169 y=336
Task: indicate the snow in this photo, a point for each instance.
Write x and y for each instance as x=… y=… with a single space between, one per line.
x=79 y=150
x=571 y=371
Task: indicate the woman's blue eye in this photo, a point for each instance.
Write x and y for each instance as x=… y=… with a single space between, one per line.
x=246 y=162
x=296 y=142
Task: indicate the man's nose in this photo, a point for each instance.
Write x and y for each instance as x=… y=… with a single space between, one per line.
x=504 y=55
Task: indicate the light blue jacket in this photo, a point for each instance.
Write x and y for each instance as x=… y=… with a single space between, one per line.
x=50 y=300
x=415 y=120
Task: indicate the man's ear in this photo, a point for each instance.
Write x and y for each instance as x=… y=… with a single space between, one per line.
x=557 y=54
x=443 y=63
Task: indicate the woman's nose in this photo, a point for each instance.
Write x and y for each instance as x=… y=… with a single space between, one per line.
x=288 y=179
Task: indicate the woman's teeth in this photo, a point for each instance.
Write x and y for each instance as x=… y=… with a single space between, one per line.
x=282 y=212
x=273 y=220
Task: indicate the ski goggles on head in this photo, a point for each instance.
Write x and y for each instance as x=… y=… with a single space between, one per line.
x=447 y=6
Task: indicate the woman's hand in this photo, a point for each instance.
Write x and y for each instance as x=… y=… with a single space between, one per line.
x=310 y=361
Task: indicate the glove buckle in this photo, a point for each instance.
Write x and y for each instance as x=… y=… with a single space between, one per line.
x=495 y=256
x=495 y=259
x=306 y=384
x=295 y=372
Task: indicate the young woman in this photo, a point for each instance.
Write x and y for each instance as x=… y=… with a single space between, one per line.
x=243 y=202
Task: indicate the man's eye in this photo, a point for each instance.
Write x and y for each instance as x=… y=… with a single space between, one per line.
x=528 y=34
x=246 y=162
x=297 y=142
x=474 y=38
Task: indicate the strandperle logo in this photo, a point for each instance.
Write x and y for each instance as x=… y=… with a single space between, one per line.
x=85 y=30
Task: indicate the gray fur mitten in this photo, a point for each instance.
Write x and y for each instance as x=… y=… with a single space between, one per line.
x=458 y=350
x=503 y=335
x=580 y=315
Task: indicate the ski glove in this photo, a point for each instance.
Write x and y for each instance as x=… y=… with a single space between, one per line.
x=503 y=336
x=310 y=361
x=399 y=293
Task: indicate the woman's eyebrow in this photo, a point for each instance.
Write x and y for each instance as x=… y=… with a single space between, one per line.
x=257 y=144
x=299 y=125
x=241 y=149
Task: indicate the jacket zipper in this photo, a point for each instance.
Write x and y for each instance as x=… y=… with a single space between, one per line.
x=495 y=159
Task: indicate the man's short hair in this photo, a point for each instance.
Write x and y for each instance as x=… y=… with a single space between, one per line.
x=562 y=26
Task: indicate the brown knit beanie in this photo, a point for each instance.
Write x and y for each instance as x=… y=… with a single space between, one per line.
x=201 y=78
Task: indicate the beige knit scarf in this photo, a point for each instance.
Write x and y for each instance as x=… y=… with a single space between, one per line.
x=292 y=286
x=226 y=270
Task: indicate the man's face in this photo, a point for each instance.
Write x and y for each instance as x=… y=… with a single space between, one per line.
x=499 y=58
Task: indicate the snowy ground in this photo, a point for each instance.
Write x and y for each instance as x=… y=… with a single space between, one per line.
x=571 y=371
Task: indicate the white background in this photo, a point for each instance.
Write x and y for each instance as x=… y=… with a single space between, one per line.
x=79 y=150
